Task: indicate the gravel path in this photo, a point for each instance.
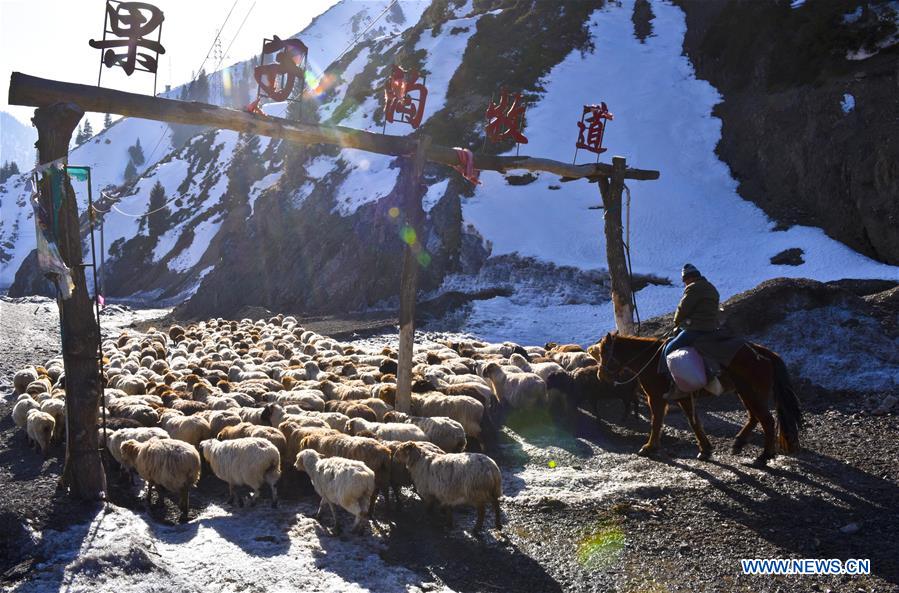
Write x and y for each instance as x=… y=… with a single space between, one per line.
x=581 y=511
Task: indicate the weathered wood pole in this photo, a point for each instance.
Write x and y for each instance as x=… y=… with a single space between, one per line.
x=622 y=299
x=412 y=236
x=83 y=471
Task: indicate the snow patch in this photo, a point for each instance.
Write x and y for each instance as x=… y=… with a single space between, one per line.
x=434 y=194
x=848 y=103
x=369 y=178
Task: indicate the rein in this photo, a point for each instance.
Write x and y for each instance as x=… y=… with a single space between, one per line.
x=632 y=359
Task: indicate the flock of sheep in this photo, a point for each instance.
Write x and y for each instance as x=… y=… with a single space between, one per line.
x=257 y=399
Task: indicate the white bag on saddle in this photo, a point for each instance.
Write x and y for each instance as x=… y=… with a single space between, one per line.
x=687 y=368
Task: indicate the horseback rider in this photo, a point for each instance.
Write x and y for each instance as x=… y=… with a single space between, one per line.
x=696 y=316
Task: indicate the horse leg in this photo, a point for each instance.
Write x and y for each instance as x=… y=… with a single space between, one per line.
x=705 y=446
x=769 y=429
x=657 y=408
x=743 y=436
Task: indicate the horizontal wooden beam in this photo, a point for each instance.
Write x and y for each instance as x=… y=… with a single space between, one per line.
x=41 y=92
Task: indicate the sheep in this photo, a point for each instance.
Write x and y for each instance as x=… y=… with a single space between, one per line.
x=115 y=438
x=399 y=475
x=143 y=414
x=392 y=431
x=335 y=420
x=41 y=385
x=377 y=406
x=345 y=482
x=446 y=433
x=274 y=415
x=57 y=409
x=39 y=428
x=219 y=419
x=453 y=479
x=248 y=461
x=294 y=434
x=344 y=392
x=516 y=389
x=367 y=450
x=245 y=429
x=465 y=410
x=22 y=378
x=190 y=429
x=170 y=463
x=573 y=360
x=308 y=399
x=351 y=409
x=21 y=408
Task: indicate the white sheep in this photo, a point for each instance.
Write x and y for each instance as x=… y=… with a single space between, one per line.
x=453 y=479
x=56 y=408
x=249 y=461
x=115 y=438
x=170 y=463
x=22 y=378
x=345 y=482
x=39 y=428
x=444 y=432
x=190 y=429
x=516 y=389
x=21 y=408
x=388 y=431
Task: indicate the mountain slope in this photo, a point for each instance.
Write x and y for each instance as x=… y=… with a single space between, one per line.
x=16 y=141
x=255 y=221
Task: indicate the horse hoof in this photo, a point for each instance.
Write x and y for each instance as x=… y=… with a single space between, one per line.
x=760 y=462
x=737 y=447
x=704 y=455
x=646 y=451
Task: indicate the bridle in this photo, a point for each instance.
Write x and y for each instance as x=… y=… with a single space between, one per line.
x=605 y=364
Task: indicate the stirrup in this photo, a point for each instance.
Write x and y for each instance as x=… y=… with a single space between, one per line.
x=714 y=386
x=675 y=394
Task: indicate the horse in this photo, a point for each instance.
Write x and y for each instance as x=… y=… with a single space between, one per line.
x=755 y=373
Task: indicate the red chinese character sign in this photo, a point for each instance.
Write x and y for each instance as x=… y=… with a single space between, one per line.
x=404 y=98
x=131 y=22
x=505 y=120
x=276 y=80
x=593 y=128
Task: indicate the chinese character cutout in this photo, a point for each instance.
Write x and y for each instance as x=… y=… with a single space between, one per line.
x=594 y=127
x=405 y=97
x=276 y=80
x=506 y=119
x=131 y=22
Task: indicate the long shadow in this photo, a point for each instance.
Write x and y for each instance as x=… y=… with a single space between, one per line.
x=807 y=522
x=421 y=542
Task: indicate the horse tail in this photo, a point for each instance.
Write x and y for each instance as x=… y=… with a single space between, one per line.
x=789 y=415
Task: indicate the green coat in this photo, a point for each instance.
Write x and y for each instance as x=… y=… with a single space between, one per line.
x=698 y=308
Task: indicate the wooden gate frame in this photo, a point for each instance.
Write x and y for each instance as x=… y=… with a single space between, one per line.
x=61 y=105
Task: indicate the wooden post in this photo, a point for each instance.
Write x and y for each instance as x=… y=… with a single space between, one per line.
x=414 y=216
x=622 y=298
x=83 y=470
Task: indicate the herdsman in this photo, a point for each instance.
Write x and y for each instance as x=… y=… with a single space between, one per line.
x=696 y=316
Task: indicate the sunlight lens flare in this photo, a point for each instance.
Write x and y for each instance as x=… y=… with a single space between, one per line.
x=603 y=547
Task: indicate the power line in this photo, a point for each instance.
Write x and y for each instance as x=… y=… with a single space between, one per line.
x=216 y=39
x=236 y=35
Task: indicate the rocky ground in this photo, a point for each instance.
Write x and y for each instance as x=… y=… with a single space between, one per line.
x=581 y=511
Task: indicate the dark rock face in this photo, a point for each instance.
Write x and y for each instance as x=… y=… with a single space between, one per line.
x=29 y=280
x=796 y=152
x=789 y=257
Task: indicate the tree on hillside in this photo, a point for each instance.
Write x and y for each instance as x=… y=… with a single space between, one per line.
x=79 y=136
x=107 y=121
x=130 y=170
x=7 y=170
x=136 y=153
x=157 y=210
x=88 y=130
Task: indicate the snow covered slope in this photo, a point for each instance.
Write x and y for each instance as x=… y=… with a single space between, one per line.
x=16 y=141
x=106 y=154
x=693 y=213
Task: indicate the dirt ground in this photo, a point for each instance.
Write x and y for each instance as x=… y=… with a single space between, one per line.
x=582 y=512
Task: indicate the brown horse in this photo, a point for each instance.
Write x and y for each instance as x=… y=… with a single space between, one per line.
x=755 y=373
